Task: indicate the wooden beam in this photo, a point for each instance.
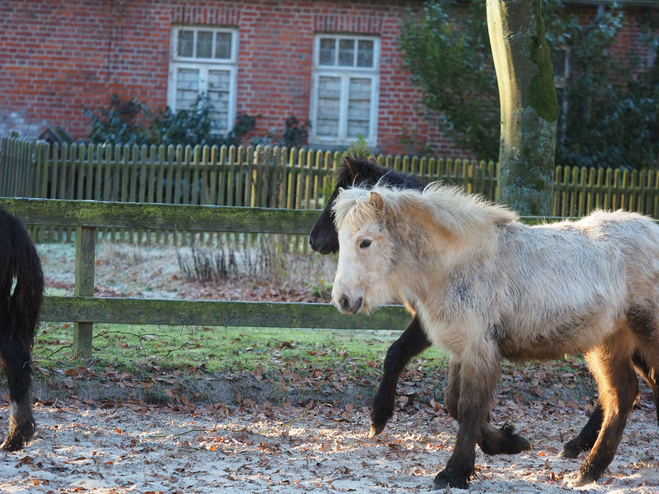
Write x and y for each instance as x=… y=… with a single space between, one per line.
x=160 y=216
x=96 y=214
x=217 y=313
x=84 y=287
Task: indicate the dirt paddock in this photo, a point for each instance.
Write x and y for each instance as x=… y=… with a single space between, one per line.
x=134 y=447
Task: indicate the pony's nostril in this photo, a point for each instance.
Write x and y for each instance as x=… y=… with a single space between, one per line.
x=311 y=242
x=358 y=304
x=345 y=302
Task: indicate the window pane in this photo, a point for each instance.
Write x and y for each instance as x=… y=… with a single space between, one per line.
x=346 y=52
x=223 y=45
x=187 y=88
x=204 y=44
x=559 y=60
x=329 y=93
x=327 y=49
x=365 y=53
x=218 y=94
x=359 y=107
x=185 y=41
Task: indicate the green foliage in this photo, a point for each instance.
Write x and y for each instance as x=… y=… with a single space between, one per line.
x=122 y=122
x=450 y=59
x=295 y=134
x=610 y=112
x=612 y=116
x=131 y=122
x=359 y=149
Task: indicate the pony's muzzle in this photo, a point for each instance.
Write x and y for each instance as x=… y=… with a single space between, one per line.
x=350 y=306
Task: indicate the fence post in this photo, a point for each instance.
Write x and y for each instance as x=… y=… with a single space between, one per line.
x=84 y=287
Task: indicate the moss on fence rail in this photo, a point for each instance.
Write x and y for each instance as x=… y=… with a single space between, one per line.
x=216 y=313
x=161 y=216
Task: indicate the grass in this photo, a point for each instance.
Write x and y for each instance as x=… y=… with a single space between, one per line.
x=221 y=349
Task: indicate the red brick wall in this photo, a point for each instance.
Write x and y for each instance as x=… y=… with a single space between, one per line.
x=58 y=56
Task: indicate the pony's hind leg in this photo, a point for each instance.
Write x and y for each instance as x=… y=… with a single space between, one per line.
x=645 y=326
x=618 y=387
x=412 y=342
x=15 y=362
x=586 y=438
x=588 y=435
x=650 y=374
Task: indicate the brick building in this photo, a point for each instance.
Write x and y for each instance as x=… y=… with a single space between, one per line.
x=336 y=63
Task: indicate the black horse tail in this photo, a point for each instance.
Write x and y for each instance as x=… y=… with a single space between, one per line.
x=24 y=266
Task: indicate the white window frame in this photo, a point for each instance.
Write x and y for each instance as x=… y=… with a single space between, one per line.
x=204 y=65
x=345 y=74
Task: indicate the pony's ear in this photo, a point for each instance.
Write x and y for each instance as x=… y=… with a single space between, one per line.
x=349 y=164
x=375 y=200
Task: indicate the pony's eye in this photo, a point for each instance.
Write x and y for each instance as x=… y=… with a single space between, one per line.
x=365 y=244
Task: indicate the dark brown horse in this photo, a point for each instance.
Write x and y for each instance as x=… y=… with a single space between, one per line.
x=19 y=313
x=324 y=239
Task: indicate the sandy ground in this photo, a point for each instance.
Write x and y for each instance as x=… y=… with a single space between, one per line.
x=140 y=448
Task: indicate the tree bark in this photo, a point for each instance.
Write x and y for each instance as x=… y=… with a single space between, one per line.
x=529 y=106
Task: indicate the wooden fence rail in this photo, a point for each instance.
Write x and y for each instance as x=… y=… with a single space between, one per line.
x=83 y=309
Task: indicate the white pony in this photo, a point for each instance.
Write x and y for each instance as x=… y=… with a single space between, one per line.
x=487 y=287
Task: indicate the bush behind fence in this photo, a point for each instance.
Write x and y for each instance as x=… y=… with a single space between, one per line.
x=275 y=177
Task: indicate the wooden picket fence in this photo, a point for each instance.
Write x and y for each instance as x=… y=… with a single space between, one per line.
x=580 y=190
x=274 y=177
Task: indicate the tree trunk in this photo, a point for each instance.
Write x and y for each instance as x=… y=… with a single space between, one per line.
x=529 y=106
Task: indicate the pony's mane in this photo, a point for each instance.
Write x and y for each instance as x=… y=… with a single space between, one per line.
x=453 y=210
x=355 y=171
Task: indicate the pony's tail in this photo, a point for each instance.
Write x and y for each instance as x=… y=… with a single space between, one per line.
x=27 y=297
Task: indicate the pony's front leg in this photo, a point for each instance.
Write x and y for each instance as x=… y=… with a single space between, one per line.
x=478 y=378
x=411 y=343
x=493 y=440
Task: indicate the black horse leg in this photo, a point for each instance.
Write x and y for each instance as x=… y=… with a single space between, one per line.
x=650 y=375
x=586 y=438
x=412 y=342
x=15 y=362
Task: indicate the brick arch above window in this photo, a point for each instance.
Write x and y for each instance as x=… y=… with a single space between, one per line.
x=210 y=16
x=347 y=24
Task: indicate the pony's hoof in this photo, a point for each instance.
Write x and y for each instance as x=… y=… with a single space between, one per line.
x=569 y=451
x=446 y=478
x=586 y=475
x=582 y=480
x=12 y=444
x=376 y=429
x=19 y=434
x=503 y=441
